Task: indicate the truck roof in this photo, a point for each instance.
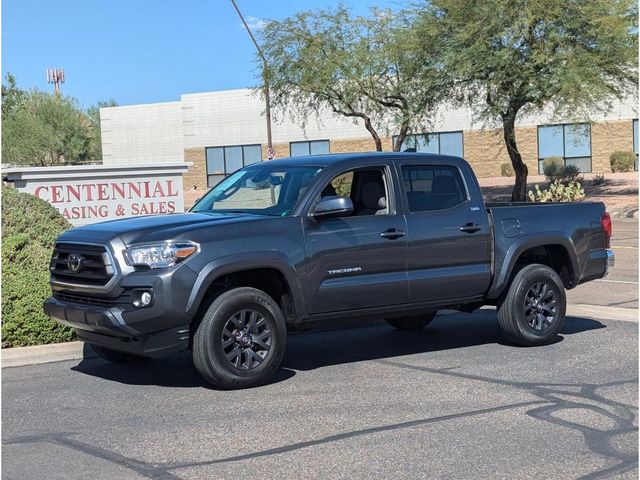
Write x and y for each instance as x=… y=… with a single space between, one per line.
x=324 y=160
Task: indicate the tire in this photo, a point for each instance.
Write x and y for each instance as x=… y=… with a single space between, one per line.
x=414 y=322
x=533 y=310
x=239 y=326
x=121 y=358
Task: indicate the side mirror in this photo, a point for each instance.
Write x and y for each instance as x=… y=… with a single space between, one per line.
x=332 y=207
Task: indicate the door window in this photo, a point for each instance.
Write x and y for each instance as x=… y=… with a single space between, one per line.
x=367 y=189
x=431 y=187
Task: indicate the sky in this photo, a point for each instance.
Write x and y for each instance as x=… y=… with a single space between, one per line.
x=140 y=51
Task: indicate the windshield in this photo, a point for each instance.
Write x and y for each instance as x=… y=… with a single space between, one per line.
x=261 y=189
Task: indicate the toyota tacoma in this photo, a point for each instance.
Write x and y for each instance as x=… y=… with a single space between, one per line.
x=287 y=244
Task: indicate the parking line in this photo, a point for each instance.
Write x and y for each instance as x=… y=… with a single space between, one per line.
x=618 y=248
x=618 y=281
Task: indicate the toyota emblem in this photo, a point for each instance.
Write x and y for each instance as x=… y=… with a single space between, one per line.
x=74 y=262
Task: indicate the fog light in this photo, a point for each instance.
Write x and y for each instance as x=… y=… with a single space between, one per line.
x=142 y=299
x=145 y=298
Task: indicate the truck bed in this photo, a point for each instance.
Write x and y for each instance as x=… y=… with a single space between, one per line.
x=575 y=227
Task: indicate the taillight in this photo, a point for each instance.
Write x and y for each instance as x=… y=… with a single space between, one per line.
x=605 y=221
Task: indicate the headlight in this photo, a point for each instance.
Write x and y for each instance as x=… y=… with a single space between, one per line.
x=159 y=255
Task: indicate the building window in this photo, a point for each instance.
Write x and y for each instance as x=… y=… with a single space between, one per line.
x=313 y=147
x=221 y=161
x=571 y=142
x=443 y=143
x=635 y=141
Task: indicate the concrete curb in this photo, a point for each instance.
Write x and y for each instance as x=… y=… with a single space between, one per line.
x=630 y=214
x=602 y=312
x=58 y=352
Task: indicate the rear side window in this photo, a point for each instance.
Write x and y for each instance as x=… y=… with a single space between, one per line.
x=432 y=187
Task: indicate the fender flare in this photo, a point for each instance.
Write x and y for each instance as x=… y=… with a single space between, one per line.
x=248 y=261
x=518 y=247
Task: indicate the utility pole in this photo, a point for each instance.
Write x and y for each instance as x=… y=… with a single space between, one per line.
x=265 y=76
x=55 y=76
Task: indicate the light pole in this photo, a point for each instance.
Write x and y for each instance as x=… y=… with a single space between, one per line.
x=265 y=78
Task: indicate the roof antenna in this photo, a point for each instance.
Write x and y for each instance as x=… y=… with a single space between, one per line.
x=411 y=150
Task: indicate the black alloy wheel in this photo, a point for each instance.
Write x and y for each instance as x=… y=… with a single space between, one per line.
x=246 y=339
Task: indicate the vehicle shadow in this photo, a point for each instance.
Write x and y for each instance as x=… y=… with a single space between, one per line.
x=173 y=371
x=317 y=349
x=314 y=350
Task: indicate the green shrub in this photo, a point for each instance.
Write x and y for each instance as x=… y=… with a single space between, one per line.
x=555 y=169
x=570 y=173
x=552 y=167
x=552 y=164
x=30 y=227
x=558 y=192
x=622 y=161
x=506 y=169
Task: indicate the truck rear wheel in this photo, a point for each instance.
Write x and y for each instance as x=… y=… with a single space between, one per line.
x=414 y=322
x=533 y=310
x=241 y=340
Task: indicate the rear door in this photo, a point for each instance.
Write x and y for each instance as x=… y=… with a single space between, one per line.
x=358 y=261
x=448 y=236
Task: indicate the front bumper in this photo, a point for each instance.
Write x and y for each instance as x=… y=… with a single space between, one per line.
x=106 y=327
x=111 y=320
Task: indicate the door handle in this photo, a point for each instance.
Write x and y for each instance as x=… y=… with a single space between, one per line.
x=392 y=234
x=470 y=228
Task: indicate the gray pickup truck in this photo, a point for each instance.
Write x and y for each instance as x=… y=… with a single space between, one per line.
x=285 y=244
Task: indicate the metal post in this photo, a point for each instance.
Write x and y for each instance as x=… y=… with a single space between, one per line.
x=265 y=76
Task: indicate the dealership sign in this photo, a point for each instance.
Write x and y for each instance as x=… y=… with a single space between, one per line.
x=95 y=193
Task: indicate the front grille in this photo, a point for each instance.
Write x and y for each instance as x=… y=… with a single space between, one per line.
x=95 y=266
x=91 y=300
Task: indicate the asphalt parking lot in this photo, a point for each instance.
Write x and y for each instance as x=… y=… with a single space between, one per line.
x=454 y=401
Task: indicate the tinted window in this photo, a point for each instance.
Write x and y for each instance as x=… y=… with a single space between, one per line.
x=432 y=187
x=319 y=147
x=252 y=154
x=451 y=144
x=550 y=142
x=571 y=142
x=444 y=143
x=221 y=161
x=313 y=147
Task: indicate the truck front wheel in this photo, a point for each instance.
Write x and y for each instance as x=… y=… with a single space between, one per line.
x=241 y=339
x=533 y=310
x=417 y=322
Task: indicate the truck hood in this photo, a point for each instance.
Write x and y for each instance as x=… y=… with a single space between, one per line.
x=151 y=228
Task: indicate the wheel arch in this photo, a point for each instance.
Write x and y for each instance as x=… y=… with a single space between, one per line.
x=268 y=271
x=555 y=251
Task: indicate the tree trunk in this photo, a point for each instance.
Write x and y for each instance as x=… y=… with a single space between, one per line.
x=519 y=193
x=402 y=134
x=367 y=124
x=374 y=134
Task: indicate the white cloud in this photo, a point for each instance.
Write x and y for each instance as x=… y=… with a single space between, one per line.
x=255 y=23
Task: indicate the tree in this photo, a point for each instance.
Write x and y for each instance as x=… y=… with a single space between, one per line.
x=43 y=129
x=12 y=96
x=371 y=69
x=519 y=57
x=95 y=141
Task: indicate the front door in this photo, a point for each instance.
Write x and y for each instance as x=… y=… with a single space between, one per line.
x=358 y=261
